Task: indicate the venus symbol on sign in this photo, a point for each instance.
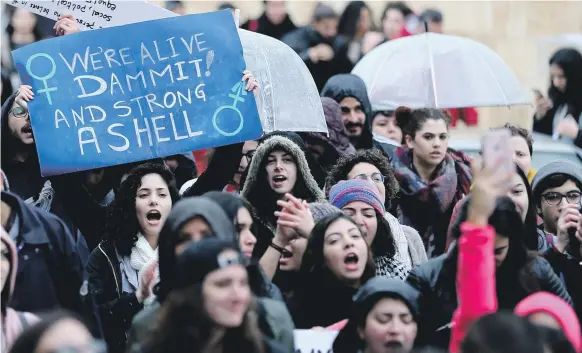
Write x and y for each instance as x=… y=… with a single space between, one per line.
x=44 y=78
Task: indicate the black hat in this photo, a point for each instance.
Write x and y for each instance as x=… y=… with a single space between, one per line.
x=202 y=257
x=381 y=287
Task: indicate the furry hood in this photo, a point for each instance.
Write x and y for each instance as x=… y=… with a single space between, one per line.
x=252 y=191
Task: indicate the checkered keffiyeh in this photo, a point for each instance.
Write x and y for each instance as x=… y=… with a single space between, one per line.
x=390 y=267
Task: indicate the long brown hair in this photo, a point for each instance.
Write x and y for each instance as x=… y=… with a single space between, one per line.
x=183 y=326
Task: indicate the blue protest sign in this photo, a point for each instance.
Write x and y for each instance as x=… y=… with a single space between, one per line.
x=136 y=92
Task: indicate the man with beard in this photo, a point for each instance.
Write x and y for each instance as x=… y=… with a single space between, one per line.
x=22 y=168
x=351 y=94
x=322 y=50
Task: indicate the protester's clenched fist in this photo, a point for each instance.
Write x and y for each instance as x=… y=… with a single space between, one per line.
x=66 y=24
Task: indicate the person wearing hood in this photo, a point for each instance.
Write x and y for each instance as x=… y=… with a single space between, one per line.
x=12 y=322
x=372 y=165
x=383 y=320
x=328 y=148
x=211 y=296
x=322 y=50
x=191 y=220
x=547 y=310
x=279 y=166
x=122 y=269
x=352 y=95
x=240 y=211
x=274 y=22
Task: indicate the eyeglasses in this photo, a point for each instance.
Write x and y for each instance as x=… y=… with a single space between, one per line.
x=554 y=198
x=249 y=155
x=19 y=112
x=375 y=177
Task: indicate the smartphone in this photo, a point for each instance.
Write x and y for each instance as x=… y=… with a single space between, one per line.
x=497 y=150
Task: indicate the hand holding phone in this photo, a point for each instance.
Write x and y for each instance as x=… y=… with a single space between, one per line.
x=497 y=151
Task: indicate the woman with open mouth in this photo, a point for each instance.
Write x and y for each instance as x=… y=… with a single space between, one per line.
x=278 y=167
x=123 y=268
x=336 y=263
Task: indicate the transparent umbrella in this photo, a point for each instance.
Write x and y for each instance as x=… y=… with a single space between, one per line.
x=288 y=99
x=433 y=70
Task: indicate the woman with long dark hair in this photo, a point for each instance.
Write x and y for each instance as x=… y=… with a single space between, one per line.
x=561 y=114
x=518 y=272
x=337 y=261
x=522 y=195
x=354 y=23
x=123 y=268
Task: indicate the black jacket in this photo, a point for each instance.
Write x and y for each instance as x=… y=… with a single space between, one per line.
x=264 y=26
x=569 y=270
x=115 y=308
x=50 y=271
x=438 y=297
x=301 y=39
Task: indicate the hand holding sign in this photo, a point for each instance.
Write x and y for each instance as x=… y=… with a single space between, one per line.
x=66 y=25
x=138 y=92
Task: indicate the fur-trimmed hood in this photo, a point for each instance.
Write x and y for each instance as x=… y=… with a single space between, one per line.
x=256 y=188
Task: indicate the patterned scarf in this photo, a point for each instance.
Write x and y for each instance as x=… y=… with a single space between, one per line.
x=451 y=182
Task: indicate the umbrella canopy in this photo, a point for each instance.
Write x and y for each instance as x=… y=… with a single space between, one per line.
x=288 y=99
x=433 y=70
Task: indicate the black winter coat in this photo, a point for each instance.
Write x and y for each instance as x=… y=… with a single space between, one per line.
x=569 y=270
x=50 y=271
x=438 y=297
x=116 y=309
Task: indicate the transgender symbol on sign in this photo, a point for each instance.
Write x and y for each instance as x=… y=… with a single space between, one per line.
x=44 y=78
x=239 y=89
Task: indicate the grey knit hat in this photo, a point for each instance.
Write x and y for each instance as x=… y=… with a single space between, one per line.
x=322 y=209
x=560 y=166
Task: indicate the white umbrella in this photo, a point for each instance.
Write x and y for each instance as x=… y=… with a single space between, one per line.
x=433 y=70
x=288 y=99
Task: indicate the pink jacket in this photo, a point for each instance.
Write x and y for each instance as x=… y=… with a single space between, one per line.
x=11 y=323
x=475 y=280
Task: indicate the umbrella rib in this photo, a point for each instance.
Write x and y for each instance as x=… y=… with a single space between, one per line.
x=432 y=73
x=370 y=89
x=268 y=69
x=494 y=77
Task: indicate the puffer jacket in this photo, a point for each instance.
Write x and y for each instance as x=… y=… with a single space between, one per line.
x=438 y=297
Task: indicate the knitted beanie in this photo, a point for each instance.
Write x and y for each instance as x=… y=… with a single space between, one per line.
x=560 y=166
x=322 y=209
x=347 y=191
